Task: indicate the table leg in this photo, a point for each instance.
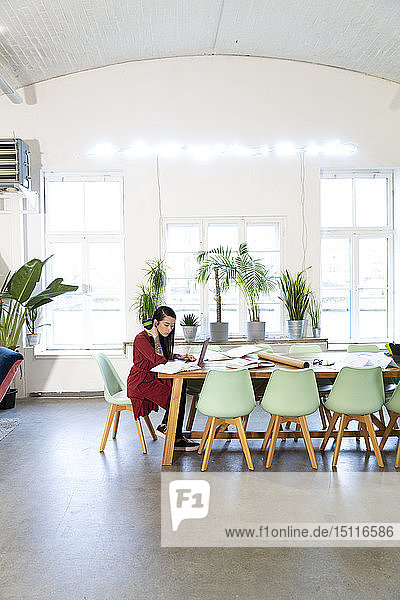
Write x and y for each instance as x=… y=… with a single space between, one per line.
x=169 y=443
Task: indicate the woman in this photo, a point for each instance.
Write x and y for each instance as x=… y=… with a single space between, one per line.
x=151 y=347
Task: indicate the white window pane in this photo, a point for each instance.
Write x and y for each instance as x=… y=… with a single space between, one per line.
x=183 y=237
x=106 y=327
x=371 y=202
x=262 y=236
x=103 y=206
x=271 y=315
x=181 y=292
x=66 y=262
x=335 y=317
x=373 y=314
x=67 y=328
x=105 y=303
x=270 y=259
x=223 y=234
x=181 y=265
x=373 y=262
x=335 y=262
x=64 y=206
x=230 y=314
x=105 y=267
x=336 y=203
x=229 y=297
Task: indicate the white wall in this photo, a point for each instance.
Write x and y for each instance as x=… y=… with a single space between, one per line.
x=252 y=101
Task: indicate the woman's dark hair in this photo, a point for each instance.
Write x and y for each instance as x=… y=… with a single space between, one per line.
x=167 y=343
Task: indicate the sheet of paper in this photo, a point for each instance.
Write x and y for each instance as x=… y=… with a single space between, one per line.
x=364 y=359
x=240 y=351
x=175 y=366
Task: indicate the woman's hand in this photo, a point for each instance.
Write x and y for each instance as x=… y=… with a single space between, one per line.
x=153 y=331
x=186 y=357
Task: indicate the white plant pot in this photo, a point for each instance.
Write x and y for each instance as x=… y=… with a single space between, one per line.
x=33 y=339
x=255 y=331
x=219 y=332
x=316 y=331
x=189 y=333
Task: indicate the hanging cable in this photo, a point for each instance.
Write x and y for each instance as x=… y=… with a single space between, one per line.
x=161 y=235
x=304 y=230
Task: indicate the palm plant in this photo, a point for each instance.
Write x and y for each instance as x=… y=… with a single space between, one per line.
x=152 y=291
x=253 y=279
x=17 y=304
x=295 y=294
x=219 y=264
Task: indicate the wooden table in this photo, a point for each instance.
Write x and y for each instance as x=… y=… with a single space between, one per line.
x=321 y=372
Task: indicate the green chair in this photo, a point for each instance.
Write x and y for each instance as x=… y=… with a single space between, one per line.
x=323 y=388
x=356 y=394
x=226 y=398
x=289 y=397
x=194 y=388
x=115 y=395
x=393 y=407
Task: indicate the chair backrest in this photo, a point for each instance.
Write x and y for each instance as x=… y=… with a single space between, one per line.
x=227 y=394
x=362 y=348
x=291 y=393
x=266 y=348
x=394 y=402
x=305 y=349
x=196 y=349
x=357 y=391
x=112 y=381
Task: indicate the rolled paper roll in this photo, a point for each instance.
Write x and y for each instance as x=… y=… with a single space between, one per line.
x=284 y=360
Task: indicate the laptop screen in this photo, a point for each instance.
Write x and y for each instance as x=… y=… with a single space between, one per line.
x=203 y=350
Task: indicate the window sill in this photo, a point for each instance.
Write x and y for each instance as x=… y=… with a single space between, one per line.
x=114 y=353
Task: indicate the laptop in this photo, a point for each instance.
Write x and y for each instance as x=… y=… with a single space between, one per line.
x=200 y=360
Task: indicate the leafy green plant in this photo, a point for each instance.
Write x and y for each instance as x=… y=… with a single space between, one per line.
x=32 y=316
x=17 y=303
x=314 y=310
x=253 y=279
x=219 y=264
x=295 y=294
x=189 y=320
x=152 y=291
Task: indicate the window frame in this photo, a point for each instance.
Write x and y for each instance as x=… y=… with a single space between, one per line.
x=203 y=223
x=355 y=234
x=85 y=238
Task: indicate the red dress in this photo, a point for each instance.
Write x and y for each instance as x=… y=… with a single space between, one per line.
x=146 y=391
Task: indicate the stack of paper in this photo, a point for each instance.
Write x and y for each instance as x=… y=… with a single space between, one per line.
x=175 y=366
x=368 y=359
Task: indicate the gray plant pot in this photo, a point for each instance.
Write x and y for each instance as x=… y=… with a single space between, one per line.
x=33 y=339
x=316 y=331
x=295 y=329
x=189 y=333
x=219 y=332
x=255 y=331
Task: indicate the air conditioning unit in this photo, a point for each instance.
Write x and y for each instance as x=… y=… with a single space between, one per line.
x=14 y=164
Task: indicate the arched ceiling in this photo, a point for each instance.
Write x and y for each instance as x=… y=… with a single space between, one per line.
x=41 y=39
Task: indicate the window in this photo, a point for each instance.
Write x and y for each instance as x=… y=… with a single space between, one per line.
x=356 y=255
x=83 y=230
x=184 y=239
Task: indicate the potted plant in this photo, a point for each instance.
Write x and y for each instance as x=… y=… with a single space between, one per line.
x=32 y=335
x=152 y=291
x=217 y=264
x=253 y=279
x=189 y=324
x=295 y=295
x=314 y=310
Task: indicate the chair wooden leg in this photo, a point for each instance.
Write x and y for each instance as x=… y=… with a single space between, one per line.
x=366 y=438
x=205 y=435
x=150 y=427
x=192 y=413
x=322 y=416
x=332 y=423
x=397 y=461
x=287 y=426
x=210 y=440
x=307 y=441
x=273 y=441
x=372 y=435
x=243 y=441
x=116 y=421
x=268 y=432
x=141 y=436
x=392 y=422
x=343 y=422
x=382 y=416
x=245 y=420
x=359 y=429
x=298 y=428
x=110 y=416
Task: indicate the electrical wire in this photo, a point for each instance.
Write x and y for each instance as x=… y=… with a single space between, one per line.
x=304 y=229
x=161 y=233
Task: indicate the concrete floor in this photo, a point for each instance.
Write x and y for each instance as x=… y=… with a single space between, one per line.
x=80 y=525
